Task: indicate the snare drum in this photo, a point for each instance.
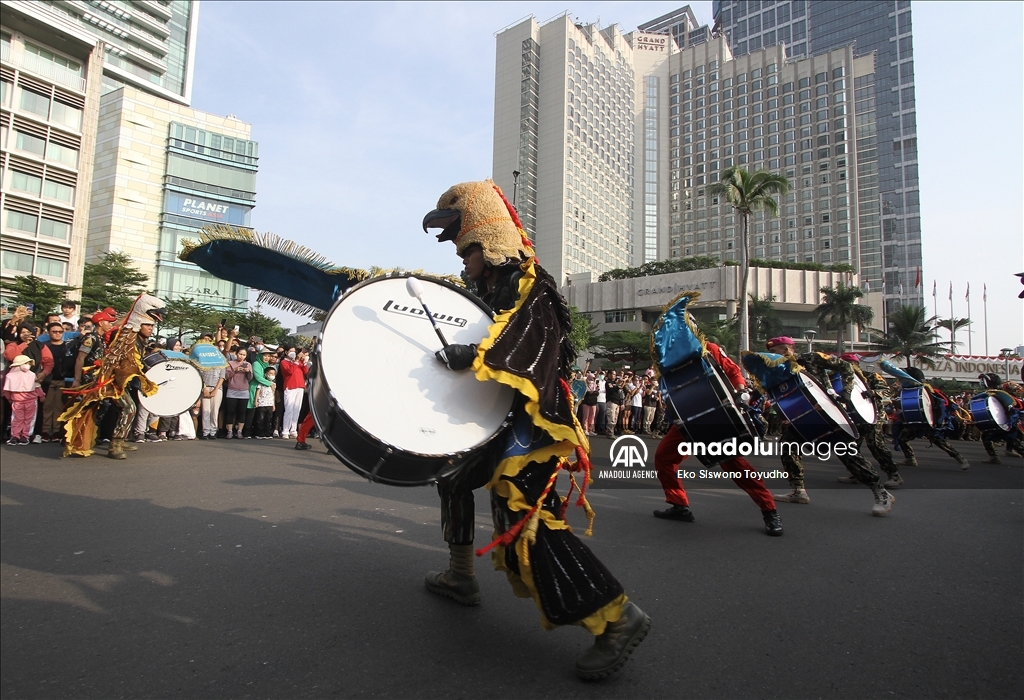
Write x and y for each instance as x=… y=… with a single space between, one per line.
x=861 y=408
x=705 y=407
x=179 y=384
x=915 y=407
x=812 y=412
x=989 y=413
x=384 y=405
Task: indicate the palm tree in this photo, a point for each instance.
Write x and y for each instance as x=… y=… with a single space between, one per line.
x=910 y=333
x=763 y=321
x=839 y=308
x=953 y=325
x=748 y=193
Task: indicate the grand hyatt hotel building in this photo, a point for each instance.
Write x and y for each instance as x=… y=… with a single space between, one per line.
x=569 y=96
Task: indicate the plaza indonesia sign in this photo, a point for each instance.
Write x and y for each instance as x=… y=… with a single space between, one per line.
x=963 y=368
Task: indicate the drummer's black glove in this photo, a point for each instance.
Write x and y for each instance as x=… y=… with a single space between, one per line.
x=846 y=395
x=457 y=357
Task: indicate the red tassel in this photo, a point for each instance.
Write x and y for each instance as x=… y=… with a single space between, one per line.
x=510 y=535
x=511 y=210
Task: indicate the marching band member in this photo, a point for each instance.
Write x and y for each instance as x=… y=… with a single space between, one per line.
x=667 y=460
x=903 y=433
x=873 y=434
x=1010 y=394
x=121 y=363
x=817 y=365
x=527 y=349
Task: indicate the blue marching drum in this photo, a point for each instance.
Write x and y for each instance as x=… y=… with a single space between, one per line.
x=812 y=412
x=705 y=406
x=916 y=407
x=989 y=414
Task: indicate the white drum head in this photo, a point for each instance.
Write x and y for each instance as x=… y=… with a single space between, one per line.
x=179 y=386
x=926 y=406
x=377 y=359
x=864 y=407
x=998 y=412
x=827 y=405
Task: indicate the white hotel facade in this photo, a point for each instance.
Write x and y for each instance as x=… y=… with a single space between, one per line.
x=616 y=138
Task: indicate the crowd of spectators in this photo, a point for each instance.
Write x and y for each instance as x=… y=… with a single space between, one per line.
x=259 y=393
x=619 y=402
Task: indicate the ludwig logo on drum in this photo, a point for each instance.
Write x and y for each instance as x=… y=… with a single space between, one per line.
x=405 y=310
x=628 y=451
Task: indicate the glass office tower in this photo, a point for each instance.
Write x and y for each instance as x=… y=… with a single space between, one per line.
x=891 y=234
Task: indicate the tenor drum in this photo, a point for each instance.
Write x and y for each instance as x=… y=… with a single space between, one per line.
x=812 y=412
x=706 y=408
x=179 y=384
x=384 y=405
x=916 y=407
x=861 y=408
x=989 y=414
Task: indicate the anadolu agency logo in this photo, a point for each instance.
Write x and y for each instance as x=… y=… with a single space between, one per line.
x=628 y=455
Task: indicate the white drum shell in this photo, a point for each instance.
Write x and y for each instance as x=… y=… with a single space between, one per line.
x=377 y=359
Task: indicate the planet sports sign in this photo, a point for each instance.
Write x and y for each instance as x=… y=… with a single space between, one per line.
x=650 y=42
x=207 y=209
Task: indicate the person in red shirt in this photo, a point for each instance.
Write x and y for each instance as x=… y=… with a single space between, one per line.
x=294 y=368
x=667 y=460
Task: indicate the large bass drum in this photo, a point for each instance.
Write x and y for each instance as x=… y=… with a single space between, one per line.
x=384 y=405
x=812 y=412
x=179 y=384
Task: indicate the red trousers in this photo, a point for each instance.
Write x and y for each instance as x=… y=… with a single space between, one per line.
x=305 y=427
x=667 y=460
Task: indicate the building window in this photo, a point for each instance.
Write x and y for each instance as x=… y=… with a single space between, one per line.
x=17 y=221
x=18 y=262
x=34 y=102
x=23 y=182
x=48 y=267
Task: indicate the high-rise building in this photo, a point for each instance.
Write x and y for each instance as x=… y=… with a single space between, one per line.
x=681 y=25
x=564 y=141
x=891 y=223
x=762 y=112
x=163 y=171
x=50 y=75
x=148 y=44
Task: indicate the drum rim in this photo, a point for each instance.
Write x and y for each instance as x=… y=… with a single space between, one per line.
x=326 y=385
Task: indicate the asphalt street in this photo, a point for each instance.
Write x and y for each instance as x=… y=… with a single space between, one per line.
x=236 y=569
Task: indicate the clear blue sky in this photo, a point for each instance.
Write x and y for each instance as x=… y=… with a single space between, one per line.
x=366 y=112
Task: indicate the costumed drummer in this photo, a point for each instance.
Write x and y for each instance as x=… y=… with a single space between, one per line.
x=942 y=407
x=120 y=365
x=667 y=457
x=818 y=365
x=873 y=433
x=528 y=349
x=1011 y=395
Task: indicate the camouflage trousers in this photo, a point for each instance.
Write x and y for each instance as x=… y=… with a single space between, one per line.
x=935 y=437
x=1013 y=442
x=874 y=436
x=125 y=417
x=859 y=468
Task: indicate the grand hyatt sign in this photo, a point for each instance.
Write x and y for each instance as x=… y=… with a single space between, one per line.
x=650 y=42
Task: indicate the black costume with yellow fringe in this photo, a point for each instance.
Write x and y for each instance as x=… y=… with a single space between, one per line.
x=533 y=544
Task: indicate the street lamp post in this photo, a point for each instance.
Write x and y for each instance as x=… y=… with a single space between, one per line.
x=515 y=186
x=1005 y=354
x=809 y=335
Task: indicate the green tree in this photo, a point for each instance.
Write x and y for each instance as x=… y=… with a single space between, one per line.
x=764 y=323
x=724 y=334
x=839 y=308
x=634 y=346
x=43 y=296
x=115 y=281
x=953 y=325
x=747 y=194
x=255 y=322
x=186 y=317
x=910 y=334
x=584 y=333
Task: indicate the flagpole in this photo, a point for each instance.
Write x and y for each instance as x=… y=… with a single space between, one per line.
x=970 y=345
x=984 y=303
x=935 y=305
x=952 y=326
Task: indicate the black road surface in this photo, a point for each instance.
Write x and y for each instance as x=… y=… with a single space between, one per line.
x=237 y=569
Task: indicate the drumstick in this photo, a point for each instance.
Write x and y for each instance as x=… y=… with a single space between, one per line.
x=415 y=289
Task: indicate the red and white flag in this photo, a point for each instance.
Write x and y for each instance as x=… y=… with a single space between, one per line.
x=968 y=295
x=984 y=292
x=917 y=282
